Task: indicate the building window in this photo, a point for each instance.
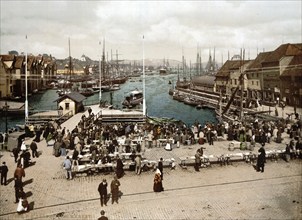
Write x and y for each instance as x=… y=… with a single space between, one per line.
x=235 y=82
x=252 y=82
x=67 y=106
x=257 y=83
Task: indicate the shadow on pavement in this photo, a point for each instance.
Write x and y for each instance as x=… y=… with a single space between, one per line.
x=31 y=206
x=9 y=180
x=28 y=194
x=28 y=182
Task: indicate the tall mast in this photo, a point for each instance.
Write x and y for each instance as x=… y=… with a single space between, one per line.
x=241 y=84
x=26 y=92
x=183 y=63
x=101 y=69
x=144 y=80
x=69 y=59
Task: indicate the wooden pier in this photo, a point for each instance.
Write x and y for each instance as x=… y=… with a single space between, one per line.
x=114 y=115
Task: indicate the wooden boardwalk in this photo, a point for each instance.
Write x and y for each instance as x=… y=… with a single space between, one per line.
x=104 y=115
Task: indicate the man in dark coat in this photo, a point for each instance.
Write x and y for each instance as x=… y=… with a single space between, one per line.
x=103 y=192
x=33 y=146
x=261 y=159
x=18 y=189
x=4 y=171
x=114 y=187
x=16 y=154
x=119 y=167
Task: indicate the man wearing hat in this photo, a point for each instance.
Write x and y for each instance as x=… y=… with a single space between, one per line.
x=4 y=171
x=103 y=192
x=103 y=217
x=261 y=159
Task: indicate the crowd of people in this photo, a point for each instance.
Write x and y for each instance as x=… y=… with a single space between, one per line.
x=105 y=139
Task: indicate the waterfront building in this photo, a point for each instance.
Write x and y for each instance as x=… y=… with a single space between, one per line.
x=272 y=77
x=40 y=70
x=254 y=76
x=291 y=78
x=227 y=77
x=276 y=75
x=71 y=102
x=5 y=82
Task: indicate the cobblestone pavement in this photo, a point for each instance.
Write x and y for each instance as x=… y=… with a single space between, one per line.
x=235 y=191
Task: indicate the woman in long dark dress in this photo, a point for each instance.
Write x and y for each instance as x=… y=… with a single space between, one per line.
x=119 y=167
x=158 y=185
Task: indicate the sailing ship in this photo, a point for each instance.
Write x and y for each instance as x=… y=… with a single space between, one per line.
x=12 y=108
x=184 y=84
x=165 y=69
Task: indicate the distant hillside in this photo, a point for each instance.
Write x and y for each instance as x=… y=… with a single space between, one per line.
x=85 y=61
x=78 y=65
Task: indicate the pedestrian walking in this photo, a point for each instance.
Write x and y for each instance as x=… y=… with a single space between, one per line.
x=138 y=164
x=18 y=189
x=67 y=167
x=16 y=154
x=261 y=159
x=157 y=182
x=287 y=153
x=114 y=186
x=19 y=173
x=103 y=217
x=197 y=161
x=4 y=171
x=23 y=205
x=33 y=146
x=103 y=192
x=119 y=167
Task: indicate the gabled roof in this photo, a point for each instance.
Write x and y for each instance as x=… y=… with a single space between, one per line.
x=257 y=63
x=294 y=67
x=7 y=57
x=39 y=58
x=8 y=61
x=30 y=61
x=230 y=65
x=74 y=96
x=19 y=62
x=284 y=50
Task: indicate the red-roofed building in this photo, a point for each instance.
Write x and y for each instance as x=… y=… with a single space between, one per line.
x=291 y=78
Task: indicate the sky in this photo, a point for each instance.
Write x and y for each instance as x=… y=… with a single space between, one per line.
x=150 y=29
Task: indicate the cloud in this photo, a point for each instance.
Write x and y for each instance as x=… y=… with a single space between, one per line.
x=170 y=27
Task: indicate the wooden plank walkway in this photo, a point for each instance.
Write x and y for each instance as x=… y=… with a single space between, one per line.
x=104 y=115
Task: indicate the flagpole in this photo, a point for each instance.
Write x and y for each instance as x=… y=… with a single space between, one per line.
x=100 y=73
x=26 y=92
x=144 y=80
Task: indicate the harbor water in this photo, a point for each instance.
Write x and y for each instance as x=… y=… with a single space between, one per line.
x=159 y=103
